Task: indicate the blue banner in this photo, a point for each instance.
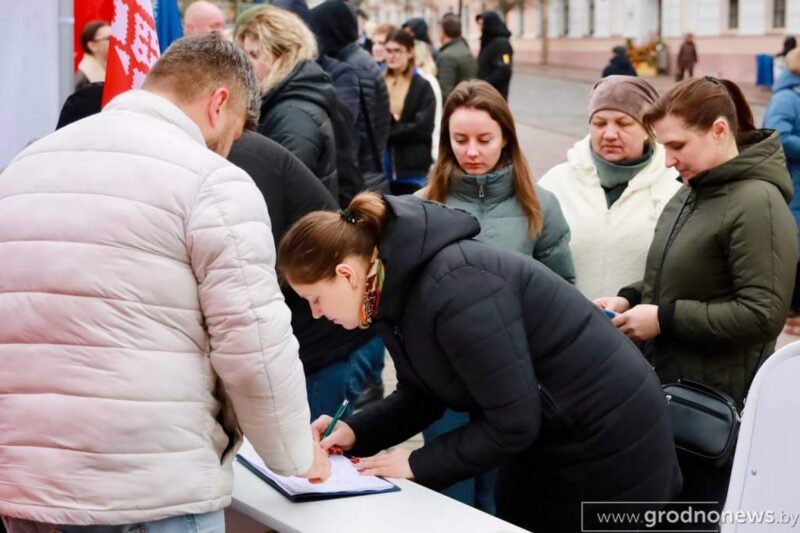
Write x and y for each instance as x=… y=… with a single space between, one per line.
x=168 y=22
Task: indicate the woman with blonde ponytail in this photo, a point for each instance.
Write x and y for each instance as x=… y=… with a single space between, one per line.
x=566 y=408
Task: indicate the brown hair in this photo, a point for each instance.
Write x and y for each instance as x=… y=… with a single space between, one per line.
x=195 y=65
x=476 y=94
x=701 y=101
x=315 y=244
x=405 y=40
x=385 y=29
x=88 y=32
x=451 y=26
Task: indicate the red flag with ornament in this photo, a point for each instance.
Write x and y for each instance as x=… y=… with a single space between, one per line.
x=133 y=47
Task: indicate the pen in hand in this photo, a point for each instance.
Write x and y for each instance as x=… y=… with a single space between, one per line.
x=335 y=419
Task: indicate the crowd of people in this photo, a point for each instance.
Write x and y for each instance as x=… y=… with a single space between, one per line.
x=230 y=250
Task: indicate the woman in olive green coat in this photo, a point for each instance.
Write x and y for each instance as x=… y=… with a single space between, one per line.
x=719 y=274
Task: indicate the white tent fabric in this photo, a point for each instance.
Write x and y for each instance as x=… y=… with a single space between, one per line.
x=30 y=68
x=766 y=466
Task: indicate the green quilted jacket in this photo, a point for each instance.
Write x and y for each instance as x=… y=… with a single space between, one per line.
x=491 y=198
x=721 y=269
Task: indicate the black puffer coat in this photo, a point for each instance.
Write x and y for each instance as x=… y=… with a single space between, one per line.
x=291 y=192
x=345 y=82
x=560 y=399
x=337 y=30
x=298 y=114
x=496 y=55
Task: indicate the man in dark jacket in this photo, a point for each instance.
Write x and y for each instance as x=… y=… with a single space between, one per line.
x=455 y=62
x=496 y=55
x=292 y=191
x=619 y=64
x=336 y=27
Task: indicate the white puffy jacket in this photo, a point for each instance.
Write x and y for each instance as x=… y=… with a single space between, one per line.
x=609 y=245
x=136 y=273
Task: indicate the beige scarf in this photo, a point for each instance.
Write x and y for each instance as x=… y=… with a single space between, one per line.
x=398 y=85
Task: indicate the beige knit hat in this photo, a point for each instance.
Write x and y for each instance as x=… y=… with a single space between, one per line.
x=628 y=94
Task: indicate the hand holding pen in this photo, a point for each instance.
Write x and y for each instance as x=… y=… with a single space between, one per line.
x=333 y=433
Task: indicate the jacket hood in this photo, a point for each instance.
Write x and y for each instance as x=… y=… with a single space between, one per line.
x=336 y=26
x=306 y=82
x=760 y=158
x=786 y=80
x=420 y=29
x=416 y=231
x=620 y=61
x=493 y=27
x=299 y=8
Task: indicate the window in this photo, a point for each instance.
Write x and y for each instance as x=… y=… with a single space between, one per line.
x=591 y=17
x=778 y=13
x=565 y=22
x=733 y=14
x=521 y=19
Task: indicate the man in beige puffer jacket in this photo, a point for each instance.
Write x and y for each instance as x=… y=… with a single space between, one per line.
x=141 y=324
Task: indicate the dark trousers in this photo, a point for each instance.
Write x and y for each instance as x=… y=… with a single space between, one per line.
x=681 y=70
x=703 y=482
x=518 y=500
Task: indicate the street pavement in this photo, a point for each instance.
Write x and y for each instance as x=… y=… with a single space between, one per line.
x=550 y=105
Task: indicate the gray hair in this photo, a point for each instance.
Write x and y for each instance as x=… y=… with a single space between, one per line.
x=197 y=64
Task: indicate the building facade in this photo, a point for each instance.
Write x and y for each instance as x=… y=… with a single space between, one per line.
x=581 y=33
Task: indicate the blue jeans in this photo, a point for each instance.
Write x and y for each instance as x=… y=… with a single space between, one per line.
x=213 y=522
x=328 y=387
x=477 y=492
x=371 y=357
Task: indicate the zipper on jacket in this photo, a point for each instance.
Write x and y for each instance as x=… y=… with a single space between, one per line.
x=481 y=192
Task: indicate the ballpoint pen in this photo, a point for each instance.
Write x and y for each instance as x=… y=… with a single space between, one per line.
x=336 y=417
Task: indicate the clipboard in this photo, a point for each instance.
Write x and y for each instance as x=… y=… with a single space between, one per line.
x=345 y=481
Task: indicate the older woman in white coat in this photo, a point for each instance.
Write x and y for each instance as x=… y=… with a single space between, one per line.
x=613 y=187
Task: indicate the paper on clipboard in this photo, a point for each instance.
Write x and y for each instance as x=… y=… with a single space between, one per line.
x=344 y=481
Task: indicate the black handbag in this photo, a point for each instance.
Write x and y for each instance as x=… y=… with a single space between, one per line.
x=705 y=422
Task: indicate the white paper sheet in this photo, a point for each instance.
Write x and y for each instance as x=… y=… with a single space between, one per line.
x=344 y=477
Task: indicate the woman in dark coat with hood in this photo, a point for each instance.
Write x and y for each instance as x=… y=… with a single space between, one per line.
x=619 y=64
x=561 y=402
x=496 y=55
x=299 y=103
